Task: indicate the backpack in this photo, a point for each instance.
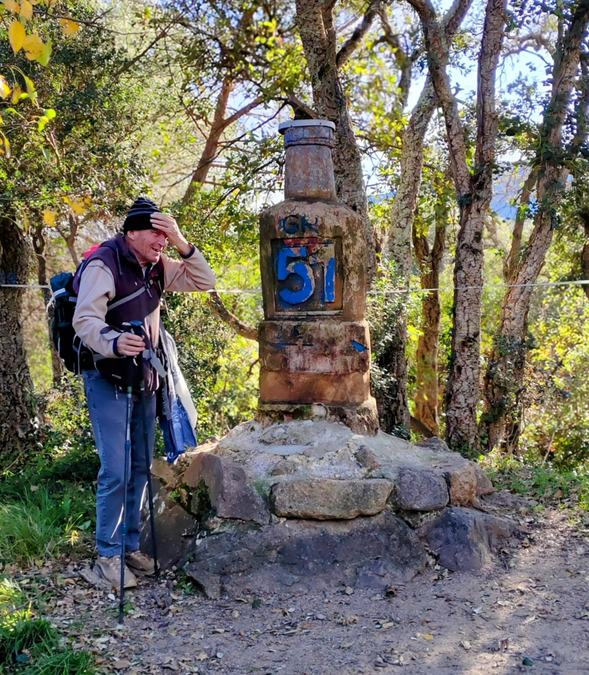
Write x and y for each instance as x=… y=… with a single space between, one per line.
x=75 y=355
x=71 y=350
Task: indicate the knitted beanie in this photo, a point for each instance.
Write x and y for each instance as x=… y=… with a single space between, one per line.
x=138 y=217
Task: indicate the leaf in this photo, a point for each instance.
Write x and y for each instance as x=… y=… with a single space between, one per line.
x=33 y=46
x=49 y=217
x=79 y=207
x=31 y=91
x=45 y=54
x=16 y=36
x=11 y=6
x=26 y=10
x=18 y=94
x=4 y=88
x=69 y=27
x=4 y=145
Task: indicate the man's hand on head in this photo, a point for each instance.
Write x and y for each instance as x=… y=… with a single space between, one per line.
x=129 y=344
x=168 y=225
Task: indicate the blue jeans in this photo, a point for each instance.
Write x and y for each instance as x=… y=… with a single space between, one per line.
x=108 y=411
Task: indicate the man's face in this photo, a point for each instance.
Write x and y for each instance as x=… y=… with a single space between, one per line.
x=147 y=245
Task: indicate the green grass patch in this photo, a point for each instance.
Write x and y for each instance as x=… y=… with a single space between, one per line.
x=30 y=644
x=544 y=482
x=38 y=525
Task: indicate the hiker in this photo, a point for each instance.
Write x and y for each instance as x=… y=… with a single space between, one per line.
x=123 y=281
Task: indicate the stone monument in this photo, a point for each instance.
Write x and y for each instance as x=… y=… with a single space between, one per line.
x=314 y=340
x=311 y=492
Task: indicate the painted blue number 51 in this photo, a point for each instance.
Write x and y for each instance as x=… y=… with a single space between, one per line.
x=303 y=270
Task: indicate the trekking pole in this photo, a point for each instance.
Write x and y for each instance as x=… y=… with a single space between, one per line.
x=129 y=396
x=138 y=329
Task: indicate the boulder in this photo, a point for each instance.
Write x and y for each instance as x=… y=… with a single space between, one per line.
x=434 y=443
x=365 y=552
x=174 y=528
x=463 y=539
x=367 y=458
x=462 y=483
x=484 y=485
x=329 y=499
x=420 y=490
x=229 y=492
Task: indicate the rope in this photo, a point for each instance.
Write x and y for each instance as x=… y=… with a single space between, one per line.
x=395 y=291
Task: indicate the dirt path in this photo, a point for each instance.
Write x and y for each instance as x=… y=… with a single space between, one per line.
x=527 y=611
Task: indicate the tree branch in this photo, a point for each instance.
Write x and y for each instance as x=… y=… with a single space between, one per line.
x=347 y=49
x=237 y=324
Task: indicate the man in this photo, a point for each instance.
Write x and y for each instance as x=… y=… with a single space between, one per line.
x=123 y=281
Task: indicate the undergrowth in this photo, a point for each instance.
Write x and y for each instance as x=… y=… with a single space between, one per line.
x=546 y=483
x=31 y=645
x=47 y=505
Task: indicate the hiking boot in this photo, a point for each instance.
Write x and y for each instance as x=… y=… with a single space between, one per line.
x=140 y=563
x=110 y=569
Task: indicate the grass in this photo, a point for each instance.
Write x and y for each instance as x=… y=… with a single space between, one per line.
x=31 y=645
x=543 y=482
x=39 y=525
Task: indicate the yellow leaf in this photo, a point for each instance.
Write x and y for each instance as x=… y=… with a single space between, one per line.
x=26 y=10
x=4 y=88
x=4 y=145
x=69 y=27
x=33 y=46
x=78 y=207
x=49 y=217
x=43 y=59
x=11 y=6
x=16 y=35
x=17 y=92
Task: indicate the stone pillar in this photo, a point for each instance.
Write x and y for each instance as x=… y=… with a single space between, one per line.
x=314 y=340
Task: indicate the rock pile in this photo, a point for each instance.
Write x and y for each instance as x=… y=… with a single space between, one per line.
x=311 y=502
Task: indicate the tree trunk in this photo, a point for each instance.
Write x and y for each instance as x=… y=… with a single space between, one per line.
x=393 y=360
x=16 y=387
x=504 y=378
x=315 y=24
x=211 y=148
x=585 y=260
x=39 y=244
x=474 y=196
x=427 y=378
x=398 y=244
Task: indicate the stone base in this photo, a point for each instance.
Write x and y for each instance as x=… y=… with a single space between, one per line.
x=367 y=552
x=309 y=502
x=362 y=419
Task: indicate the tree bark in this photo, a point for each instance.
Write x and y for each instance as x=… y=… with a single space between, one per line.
x=398 y=242
x=39 y=245
x=430 y=263
x=504 y=376
x=16 y=387
x=585 y=258
x=474 y=195
x=315 y=24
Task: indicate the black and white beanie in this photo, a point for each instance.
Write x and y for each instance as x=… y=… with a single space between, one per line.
x=138 y=217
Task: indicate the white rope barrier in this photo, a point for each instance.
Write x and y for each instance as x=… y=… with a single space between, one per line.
x=394 y=291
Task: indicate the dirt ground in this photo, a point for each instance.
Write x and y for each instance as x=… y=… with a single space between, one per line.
x=528 y=610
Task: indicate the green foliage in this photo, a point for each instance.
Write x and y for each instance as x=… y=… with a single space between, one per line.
x=31 y=645
x=546 y=483
x=68 y=446
x=37 y=525
x=47 y=507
